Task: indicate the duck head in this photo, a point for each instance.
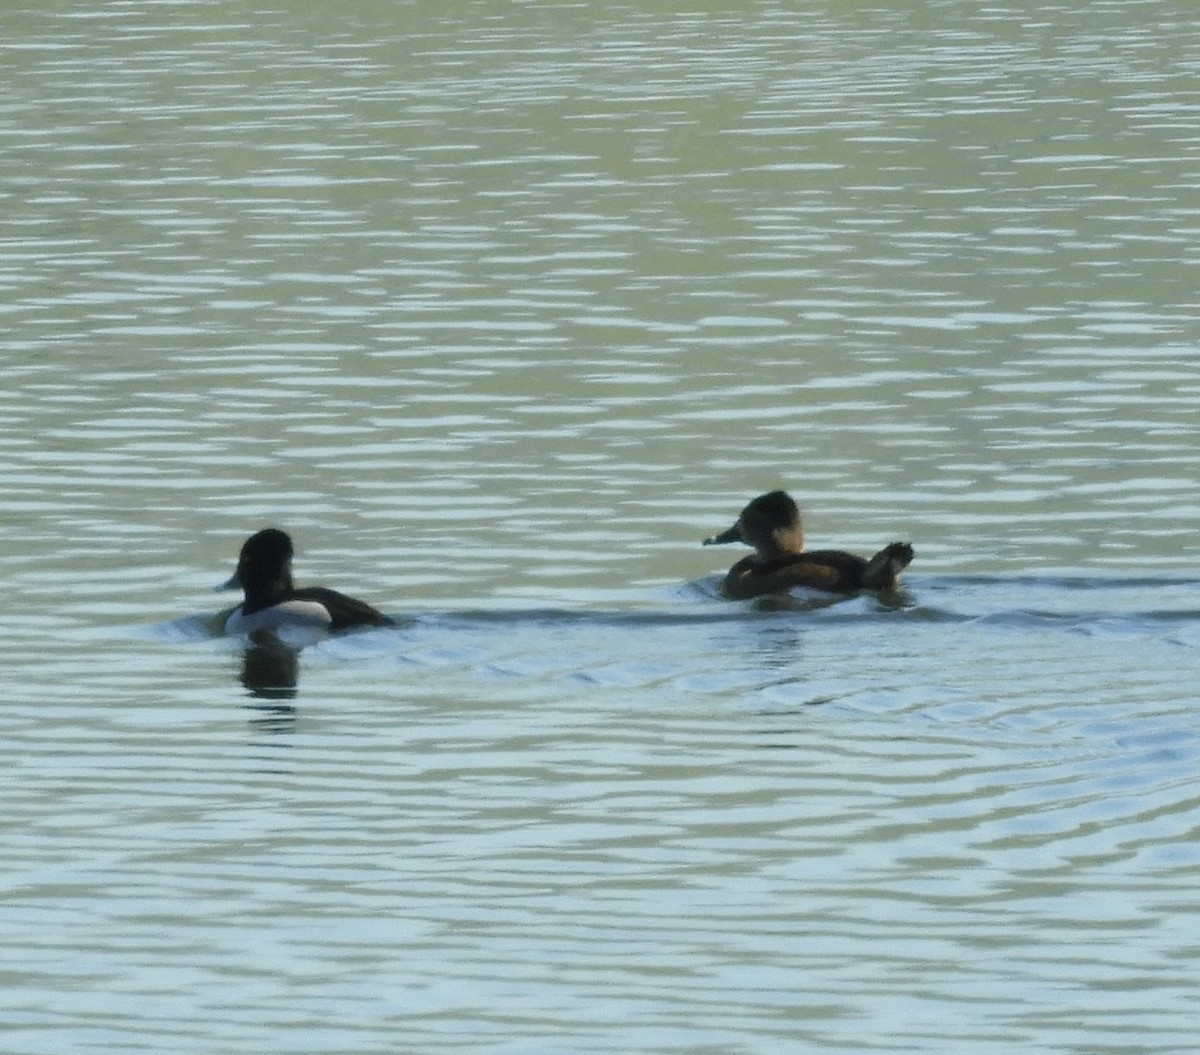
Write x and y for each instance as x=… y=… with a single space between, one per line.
x=770 y=523
x=264 y=564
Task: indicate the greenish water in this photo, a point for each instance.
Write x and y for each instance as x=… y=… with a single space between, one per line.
x=500 y=310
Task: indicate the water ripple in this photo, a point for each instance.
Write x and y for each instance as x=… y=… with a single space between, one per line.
x=501 y=311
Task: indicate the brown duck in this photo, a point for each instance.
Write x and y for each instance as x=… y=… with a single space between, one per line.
x=771 y=524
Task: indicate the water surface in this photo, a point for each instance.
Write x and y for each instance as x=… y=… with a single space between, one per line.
x=500 y=310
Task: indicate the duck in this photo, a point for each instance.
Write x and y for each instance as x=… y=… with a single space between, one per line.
x=771 y=524
x=264 y=574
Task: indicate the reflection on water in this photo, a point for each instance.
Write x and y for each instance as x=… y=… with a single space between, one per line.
x=496 y=307
x=270 y=667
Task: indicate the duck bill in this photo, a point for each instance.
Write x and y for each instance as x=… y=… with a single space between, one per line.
x=234 y=582
x=732 y=535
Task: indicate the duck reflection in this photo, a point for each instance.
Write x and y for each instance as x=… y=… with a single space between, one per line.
x=270 y=674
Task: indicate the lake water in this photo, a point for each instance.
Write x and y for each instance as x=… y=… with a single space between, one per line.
x=500 y=309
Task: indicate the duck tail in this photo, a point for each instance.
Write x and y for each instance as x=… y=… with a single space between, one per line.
x=885 y=567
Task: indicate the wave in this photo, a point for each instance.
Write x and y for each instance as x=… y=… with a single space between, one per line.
x=1068 y=603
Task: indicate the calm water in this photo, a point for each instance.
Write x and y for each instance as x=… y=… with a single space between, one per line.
x=500 y=309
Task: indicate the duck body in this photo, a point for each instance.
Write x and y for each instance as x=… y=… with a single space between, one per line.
x=273 y=601
x=771 y=524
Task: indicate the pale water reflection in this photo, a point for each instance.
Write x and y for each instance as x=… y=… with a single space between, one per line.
x=500 y=309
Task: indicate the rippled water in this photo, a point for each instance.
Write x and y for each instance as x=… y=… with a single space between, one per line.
x=500 y=309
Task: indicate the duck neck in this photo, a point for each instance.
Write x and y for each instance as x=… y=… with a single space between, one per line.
x=783 y=542
x=264 y=591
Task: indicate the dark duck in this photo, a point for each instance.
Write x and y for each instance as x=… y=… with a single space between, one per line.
x=771 y=524
x=264 y=574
